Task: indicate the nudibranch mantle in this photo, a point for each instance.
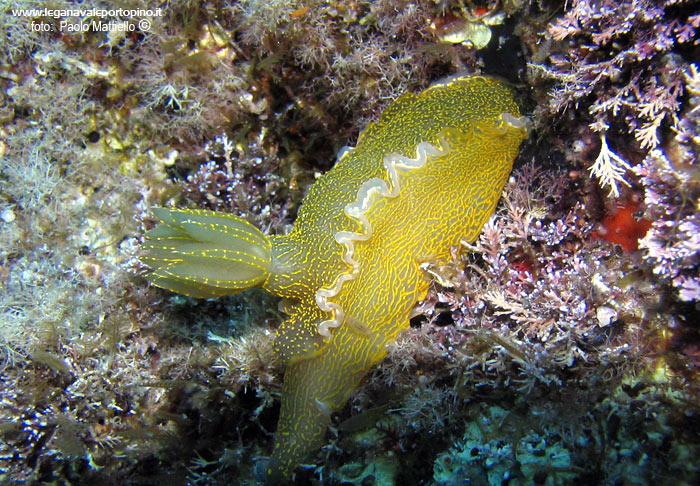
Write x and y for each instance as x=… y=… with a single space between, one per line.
x=426 y=175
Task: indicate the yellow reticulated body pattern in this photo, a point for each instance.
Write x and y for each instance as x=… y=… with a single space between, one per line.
x=426 y=175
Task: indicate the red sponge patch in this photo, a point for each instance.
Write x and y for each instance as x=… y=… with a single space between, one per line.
x=623 y=228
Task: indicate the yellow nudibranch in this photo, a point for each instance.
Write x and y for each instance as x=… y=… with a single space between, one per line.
x=425 y=176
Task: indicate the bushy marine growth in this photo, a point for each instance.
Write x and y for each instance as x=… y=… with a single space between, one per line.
x=625 y=68
x=620 y=67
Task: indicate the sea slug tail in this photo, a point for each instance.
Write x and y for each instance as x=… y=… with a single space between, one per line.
x=308 y=403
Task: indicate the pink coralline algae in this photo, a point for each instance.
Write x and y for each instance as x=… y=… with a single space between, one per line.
x=672 y=245
x=625 y=69
x=620 y=61
x=239 y=181
x=672 y=195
